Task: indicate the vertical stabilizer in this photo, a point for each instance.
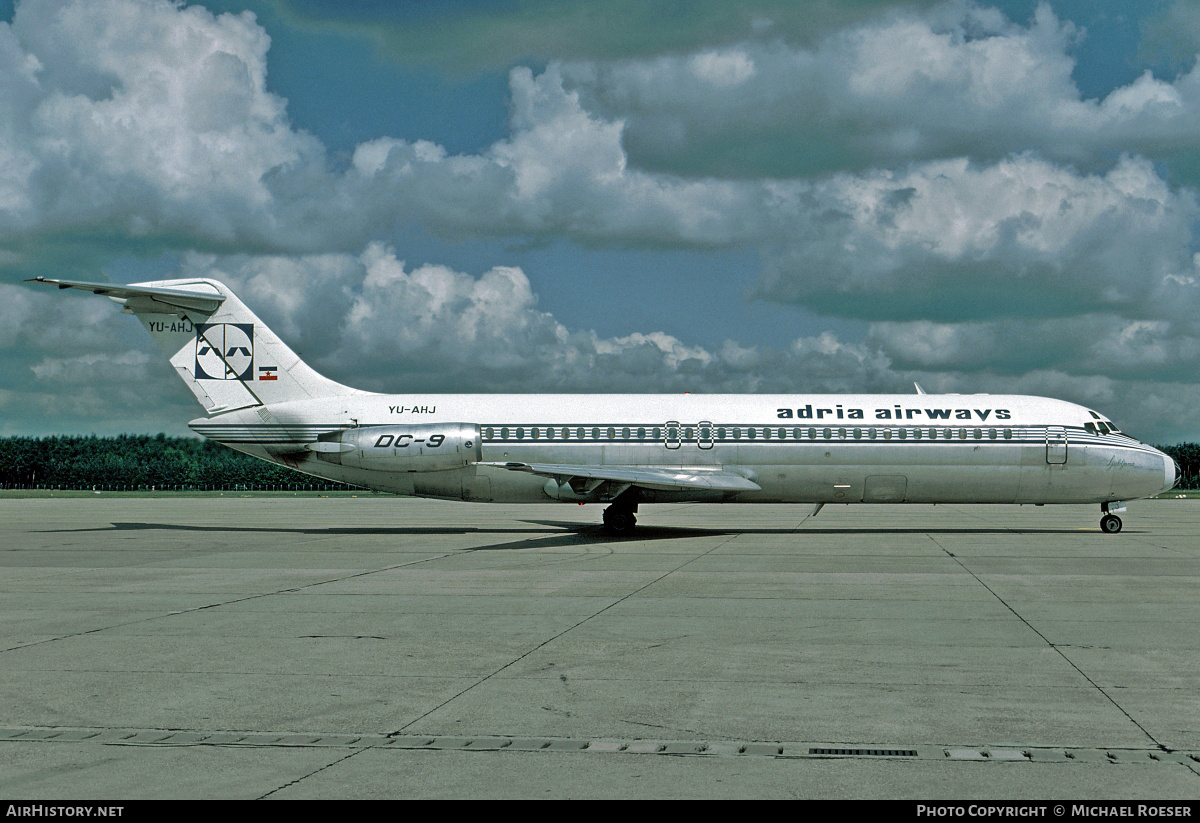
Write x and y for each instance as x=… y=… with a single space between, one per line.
x=221 y=350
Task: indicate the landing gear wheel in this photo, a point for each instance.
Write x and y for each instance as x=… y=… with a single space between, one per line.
x=619 y=521
x=1110 y=524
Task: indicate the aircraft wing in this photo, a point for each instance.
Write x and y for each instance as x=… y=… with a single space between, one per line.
x=172 y=298
x=649 y=477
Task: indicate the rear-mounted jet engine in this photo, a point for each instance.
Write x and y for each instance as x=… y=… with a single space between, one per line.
x=426 y=448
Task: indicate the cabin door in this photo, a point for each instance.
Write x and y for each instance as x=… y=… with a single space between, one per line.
x=1056 y=445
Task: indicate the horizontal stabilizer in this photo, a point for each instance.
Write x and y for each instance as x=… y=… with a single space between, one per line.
x=168 y=298
x=648 y=477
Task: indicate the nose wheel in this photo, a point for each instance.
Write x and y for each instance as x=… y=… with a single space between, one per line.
x=1110 y=524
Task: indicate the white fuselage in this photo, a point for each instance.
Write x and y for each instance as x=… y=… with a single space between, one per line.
x=918 y=448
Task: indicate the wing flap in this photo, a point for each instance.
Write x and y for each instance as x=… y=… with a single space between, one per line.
x=649 y=477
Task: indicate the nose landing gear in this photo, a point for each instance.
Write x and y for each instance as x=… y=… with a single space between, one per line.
x=1110 y=523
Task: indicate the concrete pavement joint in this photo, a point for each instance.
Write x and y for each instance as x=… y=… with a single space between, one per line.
x=290 y=590
x=550 y=640
x=1051 y=645
x=698 y=747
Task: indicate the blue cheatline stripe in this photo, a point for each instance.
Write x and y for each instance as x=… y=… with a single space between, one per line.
x=300 y=433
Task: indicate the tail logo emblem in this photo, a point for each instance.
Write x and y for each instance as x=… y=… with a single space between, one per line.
x=225 y=351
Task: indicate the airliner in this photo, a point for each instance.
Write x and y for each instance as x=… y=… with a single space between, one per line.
x=624 y=450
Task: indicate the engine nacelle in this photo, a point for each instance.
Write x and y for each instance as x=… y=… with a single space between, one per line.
x=428 y=447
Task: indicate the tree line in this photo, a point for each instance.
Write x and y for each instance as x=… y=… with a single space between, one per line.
x=1187 y=455
x=139 y=461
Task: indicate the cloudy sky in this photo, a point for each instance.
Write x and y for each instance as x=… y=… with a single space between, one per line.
x=560 y=195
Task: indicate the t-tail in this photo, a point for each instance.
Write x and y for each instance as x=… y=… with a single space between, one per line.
x=221 y=350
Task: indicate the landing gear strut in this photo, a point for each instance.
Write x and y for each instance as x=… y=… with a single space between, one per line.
x=1110 y=523
x=618 y=518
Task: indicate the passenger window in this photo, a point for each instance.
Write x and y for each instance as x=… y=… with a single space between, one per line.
x=887 y=434
x=858 y=434
x=1008 y=434
x=812 y=434
x=491 y=433
x=828 y=433
x=766 y=434
x=596 y=434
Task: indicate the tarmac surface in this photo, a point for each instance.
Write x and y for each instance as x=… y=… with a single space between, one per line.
x=301 y=647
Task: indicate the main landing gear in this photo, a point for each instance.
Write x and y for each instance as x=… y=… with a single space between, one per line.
x=618 y=518
x=1110 y=523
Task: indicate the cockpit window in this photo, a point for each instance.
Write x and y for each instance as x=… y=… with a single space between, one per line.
x=1101 y=426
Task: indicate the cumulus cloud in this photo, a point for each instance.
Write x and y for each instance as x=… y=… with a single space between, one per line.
x=941 y=239
x=932 y=178
x=161 y=125
x=1090 y=344
x=563 y=172
x=141 y=118
x=387 y=326
x=960 y=79
x=953 y=240
x=72 y=371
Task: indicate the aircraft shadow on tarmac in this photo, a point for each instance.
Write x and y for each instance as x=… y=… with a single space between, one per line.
x=658 y=532
x=583 y=532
